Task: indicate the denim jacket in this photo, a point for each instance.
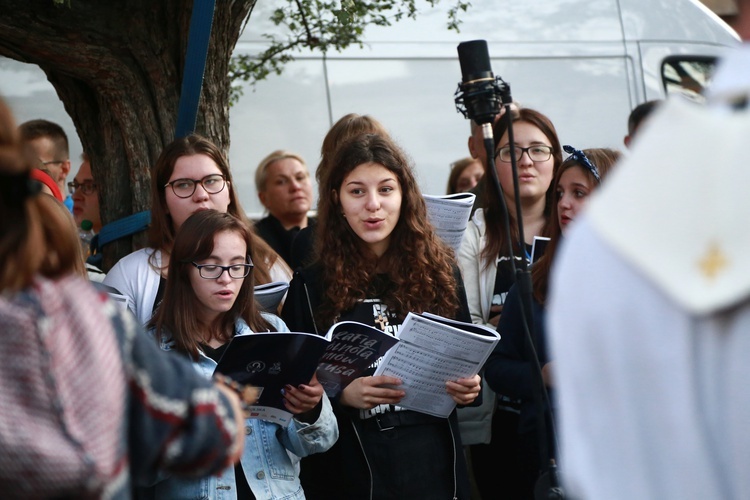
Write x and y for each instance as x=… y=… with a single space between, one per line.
x=272 y=454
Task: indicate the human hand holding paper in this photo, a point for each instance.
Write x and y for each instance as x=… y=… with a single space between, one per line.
x=464 y=390
x=366 y=392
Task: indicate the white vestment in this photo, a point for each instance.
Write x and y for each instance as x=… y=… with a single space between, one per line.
x=649 y=315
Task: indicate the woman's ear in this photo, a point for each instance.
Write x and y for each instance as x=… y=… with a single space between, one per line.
x=334 y=197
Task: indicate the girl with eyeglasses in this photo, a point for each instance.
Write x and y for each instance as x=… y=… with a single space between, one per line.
x=508 y=370
x=208 y=300
x=488 y=275
x=191 y=175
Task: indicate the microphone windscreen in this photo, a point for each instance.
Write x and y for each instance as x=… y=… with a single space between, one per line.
x=474 y=57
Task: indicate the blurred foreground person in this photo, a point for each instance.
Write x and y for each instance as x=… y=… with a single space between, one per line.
x=90 y=406
x=650 y=311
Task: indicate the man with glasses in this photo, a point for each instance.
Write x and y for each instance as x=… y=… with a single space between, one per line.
x=85 y=193
x=46 y=143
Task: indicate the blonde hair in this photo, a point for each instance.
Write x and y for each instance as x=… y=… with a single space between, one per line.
x=261 y=173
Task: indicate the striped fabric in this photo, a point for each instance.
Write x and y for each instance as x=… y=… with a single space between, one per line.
x=76 y=380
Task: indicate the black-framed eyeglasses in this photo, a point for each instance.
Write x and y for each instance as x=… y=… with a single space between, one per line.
x=86 y=187
x=214 y=271
x=184 y=188
x=536 y=153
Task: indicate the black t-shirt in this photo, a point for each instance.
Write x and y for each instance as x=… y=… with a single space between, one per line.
x=505 y=279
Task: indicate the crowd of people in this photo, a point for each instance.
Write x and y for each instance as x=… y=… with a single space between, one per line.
x=369 y=255
x=111 y=401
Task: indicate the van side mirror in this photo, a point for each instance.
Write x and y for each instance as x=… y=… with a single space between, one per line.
x=687 y=75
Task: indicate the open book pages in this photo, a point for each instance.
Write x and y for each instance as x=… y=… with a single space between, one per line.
x=449 y=215
x=269 y=361
x=354 y=347
x=269 y=296
x=431 y=351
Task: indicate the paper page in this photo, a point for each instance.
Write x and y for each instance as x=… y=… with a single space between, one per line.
x=538 y=247
x=269 y=296
x=424 y=375
x=449 y=215
x=120 y=300
x=270 y=414
x=429 y=354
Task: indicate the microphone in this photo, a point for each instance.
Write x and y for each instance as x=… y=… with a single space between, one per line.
x=480 y=93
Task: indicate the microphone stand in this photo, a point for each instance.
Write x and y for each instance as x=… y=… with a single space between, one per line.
x=547 y=485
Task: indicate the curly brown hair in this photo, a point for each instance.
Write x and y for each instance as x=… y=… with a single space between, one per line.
x=418 y=265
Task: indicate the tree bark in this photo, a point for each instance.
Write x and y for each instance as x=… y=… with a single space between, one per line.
x=117 y=67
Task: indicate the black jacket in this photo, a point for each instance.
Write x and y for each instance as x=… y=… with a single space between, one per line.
x=344 y=472
x=281 y=240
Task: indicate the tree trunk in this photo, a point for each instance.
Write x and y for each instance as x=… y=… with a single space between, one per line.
x=117 y=67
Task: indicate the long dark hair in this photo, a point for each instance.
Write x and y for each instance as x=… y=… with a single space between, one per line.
x=497 y=243
x=177 y=312
x=161 y=233
x=419 y=265
x=604 y=159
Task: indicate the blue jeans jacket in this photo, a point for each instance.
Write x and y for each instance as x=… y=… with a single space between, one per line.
x=272 y=454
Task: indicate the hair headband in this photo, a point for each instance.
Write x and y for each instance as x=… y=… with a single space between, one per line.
x=580 y=157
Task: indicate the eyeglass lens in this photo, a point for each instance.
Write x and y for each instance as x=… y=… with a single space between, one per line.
x=86 y=188
x=213 y=271
x=184 y=188
x=536 y=153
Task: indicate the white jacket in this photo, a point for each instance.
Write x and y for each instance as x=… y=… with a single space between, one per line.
x=138 y=281
x=475 y=423
x=479 y=280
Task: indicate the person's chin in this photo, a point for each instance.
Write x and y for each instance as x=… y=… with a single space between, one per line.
x=300 y=206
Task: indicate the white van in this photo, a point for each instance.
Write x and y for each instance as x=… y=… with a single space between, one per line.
x=584 y=63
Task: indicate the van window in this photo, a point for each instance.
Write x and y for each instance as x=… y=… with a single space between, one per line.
x=687 y=75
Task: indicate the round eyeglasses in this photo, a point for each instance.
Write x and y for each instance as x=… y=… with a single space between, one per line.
x=184 y=188
x=536 y=153
x=214 y=271
x=86 y=187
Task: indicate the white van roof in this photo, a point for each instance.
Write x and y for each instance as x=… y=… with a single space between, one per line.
x=531 y=21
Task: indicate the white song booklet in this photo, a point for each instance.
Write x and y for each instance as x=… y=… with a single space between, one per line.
x=432 y=350
x=449 y=214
